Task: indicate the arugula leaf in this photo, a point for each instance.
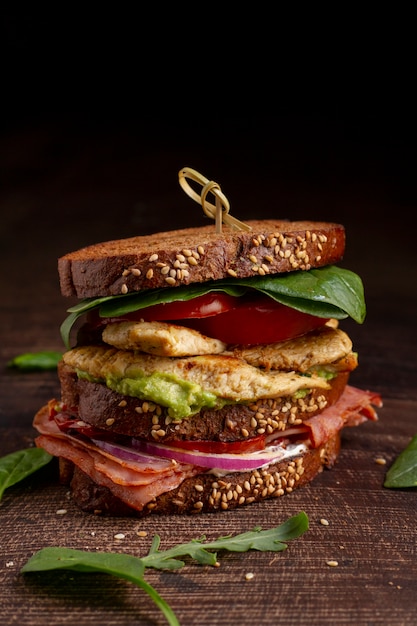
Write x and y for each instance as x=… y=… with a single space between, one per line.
x=18 y=465
x=403 y=472
x=34 y=361
x=132 y=568
x=326 y=292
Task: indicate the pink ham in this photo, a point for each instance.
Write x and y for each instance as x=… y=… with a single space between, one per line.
x=353 y=408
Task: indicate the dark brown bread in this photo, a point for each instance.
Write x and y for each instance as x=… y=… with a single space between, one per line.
x=123 y=415
x=194 y=255
x=207 y=493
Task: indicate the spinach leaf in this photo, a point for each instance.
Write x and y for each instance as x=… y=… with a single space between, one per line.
x=18 y=465
x=403 y=472
x=132 y=568
x=326 y=292
x=34 y=361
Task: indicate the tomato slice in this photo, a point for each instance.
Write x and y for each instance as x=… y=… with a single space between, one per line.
x=246 y=320
x=256 y=320
x=222 y=447
x=208 y=305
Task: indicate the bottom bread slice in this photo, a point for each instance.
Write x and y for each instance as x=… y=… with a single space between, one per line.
x=207 y=492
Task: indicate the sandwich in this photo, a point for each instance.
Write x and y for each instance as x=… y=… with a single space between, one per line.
x=204 y=370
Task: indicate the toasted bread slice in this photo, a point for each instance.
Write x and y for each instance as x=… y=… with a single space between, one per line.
x=195 y=255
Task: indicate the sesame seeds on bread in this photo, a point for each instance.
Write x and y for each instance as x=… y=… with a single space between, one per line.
x=193 y=255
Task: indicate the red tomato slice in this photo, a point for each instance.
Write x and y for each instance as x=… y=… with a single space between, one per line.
x=203 y=306
x=246 y=320
x=222 y=447
x=256 y=320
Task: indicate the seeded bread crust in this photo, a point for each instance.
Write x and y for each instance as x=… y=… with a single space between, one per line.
x=206 y=493
x=193 y=255
x=103 y=408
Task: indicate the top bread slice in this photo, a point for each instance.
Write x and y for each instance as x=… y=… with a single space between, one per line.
x=195 y=255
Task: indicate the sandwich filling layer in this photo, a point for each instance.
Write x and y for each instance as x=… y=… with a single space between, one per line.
x=185 y=385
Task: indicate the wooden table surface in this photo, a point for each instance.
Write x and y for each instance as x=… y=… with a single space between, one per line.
x=68 y=182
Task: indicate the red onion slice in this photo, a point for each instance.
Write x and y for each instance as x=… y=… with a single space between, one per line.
x=228 y=462
x=126 y=453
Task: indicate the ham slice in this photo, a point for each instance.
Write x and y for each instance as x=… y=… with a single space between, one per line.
x=353 y=408
x=135 y=483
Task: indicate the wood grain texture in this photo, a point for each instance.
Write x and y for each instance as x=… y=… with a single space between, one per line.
x=49 y=207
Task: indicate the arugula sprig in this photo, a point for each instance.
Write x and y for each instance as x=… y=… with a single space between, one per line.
x=325 y=292
x=132 y=568
x=16 y=466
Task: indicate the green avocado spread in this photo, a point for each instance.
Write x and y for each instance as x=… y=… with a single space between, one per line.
x=182 y=398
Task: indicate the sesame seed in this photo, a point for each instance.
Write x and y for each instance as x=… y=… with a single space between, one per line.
x=332 y=563
x=149 y=274
x=232 y=273
x=153 y=257
x=142 y=533
x=380 y=461
x=136 y=271
x=125 y=272
x=124 y=288
x=170 y=280
x=324 y=522
x=249 y=576
x=201 y=250
x=192 y=261
x=61 y=511
x=119 y=536
x=110 y=421
x=199 y=487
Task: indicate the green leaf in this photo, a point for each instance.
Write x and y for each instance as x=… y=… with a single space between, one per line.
x=34 y=361
x=132 y=568
x=124 y=566
x=256 y=539
x=326 y=292
x=403 y=472
x=18 y=465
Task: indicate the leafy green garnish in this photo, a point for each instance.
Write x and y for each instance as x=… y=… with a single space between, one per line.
x=403 y=472
x=18 y=465
x=133 y=568
x=326 y=292
x=34 y=361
